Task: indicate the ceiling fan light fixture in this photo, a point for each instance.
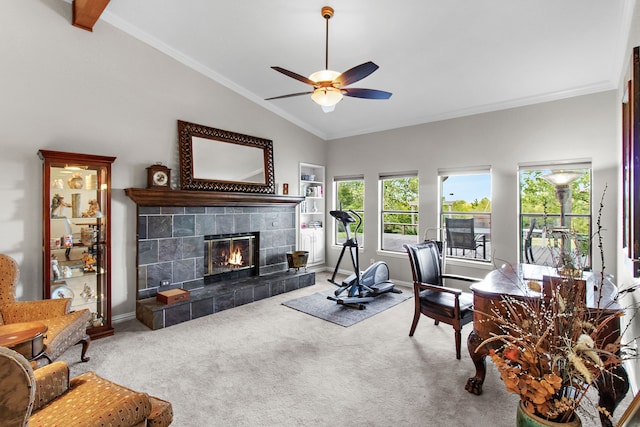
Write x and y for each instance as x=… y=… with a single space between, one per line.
x=324 y=76
x=330 y=86
x=326 y=97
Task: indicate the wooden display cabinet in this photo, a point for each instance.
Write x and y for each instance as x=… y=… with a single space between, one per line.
x=76 y=237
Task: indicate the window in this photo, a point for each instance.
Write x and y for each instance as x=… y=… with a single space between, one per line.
x=465 y=212
x=349 y=195
x=399 y=216
x=555 y=218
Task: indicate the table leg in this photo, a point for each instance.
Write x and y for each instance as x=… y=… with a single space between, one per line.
x=474 y=384
x=612 y=387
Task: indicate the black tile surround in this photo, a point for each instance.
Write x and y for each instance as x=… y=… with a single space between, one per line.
x=171 y=248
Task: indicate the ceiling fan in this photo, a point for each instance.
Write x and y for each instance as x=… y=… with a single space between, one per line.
x=329 y=86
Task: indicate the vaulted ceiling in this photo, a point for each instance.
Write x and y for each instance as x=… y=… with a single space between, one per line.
x=440 y=58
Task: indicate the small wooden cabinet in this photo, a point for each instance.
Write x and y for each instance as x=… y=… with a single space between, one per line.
x=76 y=238
x=311 y=212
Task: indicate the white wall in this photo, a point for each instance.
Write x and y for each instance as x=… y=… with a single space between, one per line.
x=105 y=93
x=578 y=128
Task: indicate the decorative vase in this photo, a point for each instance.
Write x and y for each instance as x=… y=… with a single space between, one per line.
x=75 y=205
x=76 y=182
x=525 y=419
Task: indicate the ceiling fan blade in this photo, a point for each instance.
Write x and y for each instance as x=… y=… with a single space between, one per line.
x=293 y=75
x=366 y=93
x=356 y=73
x=289 y=96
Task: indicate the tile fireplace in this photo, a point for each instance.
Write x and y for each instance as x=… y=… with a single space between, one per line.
x=227 y=249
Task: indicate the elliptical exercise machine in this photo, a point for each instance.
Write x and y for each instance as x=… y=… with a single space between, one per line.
x=362 y=286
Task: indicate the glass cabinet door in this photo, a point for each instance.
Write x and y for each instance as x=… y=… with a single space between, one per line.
x=76 y=234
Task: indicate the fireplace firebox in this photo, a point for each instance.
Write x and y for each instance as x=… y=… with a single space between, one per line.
x=230 y=256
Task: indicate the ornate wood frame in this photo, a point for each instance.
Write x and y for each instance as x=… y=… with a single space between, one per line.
x=188 y=130
x=631 y=165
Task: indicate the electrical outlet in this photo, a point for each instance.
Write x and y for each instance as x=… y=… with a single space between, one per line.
x=372 y=261
x=164 y=283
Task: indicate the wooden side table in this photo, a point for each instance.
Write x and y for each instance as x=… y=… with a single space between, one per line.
x=25 y=338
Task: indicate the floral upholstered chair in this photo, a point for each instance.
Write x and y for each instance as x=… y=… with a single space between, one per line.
x=64 y=328
x=47 y=397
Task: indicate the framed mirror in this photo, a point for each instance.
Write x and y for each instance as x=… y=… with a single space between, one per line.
x=218 y=160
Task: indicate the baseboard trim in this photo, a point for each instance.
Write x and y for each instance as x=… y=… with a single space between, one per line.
x=119 y=318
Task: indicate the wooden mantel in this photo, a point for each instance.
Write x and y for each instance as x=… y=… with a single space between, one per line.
x=155 y=197
x=87 y=12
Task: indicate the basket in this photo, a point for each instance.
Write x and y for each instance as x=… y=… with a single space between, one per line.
x=297 y=259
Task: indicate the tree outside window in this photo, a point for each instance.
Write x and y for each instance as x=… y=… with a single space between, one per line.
x=349 y=195
x=540 y=215
x=399 y=212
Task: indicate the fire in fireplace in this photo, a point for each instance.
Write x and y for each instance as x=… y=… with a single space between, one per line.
x=230 y=256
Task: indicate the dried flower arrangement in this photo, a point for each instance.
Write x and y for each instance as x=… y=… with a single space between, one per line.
x=552 y=347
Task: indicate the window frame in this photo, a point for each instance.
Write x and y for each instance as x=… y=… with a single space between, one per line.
x=586 y=165
x=337 y=206
x=488 y=221
x=382 y=212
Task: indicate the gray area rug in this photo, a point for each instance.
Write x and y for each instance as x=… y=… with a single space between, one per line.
x=319 y=306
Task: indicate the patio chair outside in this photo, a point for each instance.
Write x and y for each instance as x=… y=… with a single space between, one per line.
x=461 y=235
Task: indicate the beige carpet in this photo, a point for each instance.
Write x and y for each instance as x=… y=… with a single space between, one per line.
x=264 y=364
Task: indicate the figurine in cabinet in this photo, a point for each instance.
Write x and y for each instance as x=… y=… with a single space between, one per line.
x=88 y=261
x=57 y=205
x=87 y=293
x=54 y=267
x=93 y=210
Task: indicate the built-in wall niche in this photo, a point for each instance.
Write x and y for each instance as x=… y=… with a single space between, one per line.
x=76 y=215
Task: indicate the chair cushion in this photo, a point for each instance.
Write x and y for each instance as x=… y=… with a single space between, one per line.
x=443 y=303
x=93 y=401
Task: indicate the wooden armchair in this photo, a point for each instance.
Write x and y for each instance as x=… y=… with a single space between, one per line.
x=64 y=328
x=48 y=397
x=443 y=304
